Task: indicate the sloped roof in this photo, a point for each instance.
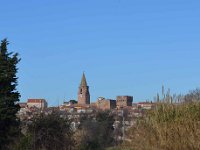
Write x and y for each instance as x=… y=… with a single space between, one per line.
x=35 y=100
x=83 y=80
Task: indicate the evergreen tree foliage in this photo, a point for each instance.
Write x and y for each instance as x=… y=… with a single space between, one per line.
x=9 y=96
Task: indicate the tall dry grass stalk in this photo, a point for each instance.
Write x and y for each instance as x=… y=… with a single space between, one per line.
x=167 y=127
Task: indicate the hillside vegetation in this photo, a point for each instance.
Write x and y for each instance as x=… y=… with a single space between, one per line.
x=167 y=127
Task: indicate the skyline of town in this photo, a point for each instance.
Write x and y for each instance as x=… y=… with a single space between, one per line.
x=82 y=98
x=100 y=75
x=125 y=47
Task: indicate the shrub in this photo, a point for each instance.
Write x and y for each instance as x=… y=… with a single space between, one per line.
x=167 y=127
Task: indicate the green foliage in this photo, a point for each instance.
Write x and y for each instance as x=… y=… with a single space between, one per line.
x=73 y=101
x=24 y=143
x=8 y=96
x=51 y=133
x=96 y=134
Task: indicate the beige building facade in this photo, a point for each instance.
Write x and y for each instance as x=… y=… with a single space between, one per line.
x=39 y=103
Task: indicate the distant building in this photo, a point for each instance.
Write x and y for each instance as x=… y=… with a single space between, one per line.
x=124 y=101
x=105 y=104
x=83 y=92
x=134 y=106
x=93 y=104
x=22 y=104
x=145 y=105
x=81 y=108
x=70 y=103
x=39 y=103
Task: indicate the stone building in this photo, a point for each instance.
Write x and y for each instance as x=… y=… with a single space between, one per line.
x=22 y=104
x=145 y=105
x=124 y=101
x=39 y=103
x=105 y=104
x=83 y=92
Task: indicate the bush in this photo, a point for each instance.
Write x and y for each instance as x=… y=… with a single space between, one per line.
x=167 y=127
x=95 y=134
x=51 y=133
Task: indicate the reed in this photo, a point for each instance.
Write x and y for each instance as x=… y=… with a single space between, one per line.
x=167 y=127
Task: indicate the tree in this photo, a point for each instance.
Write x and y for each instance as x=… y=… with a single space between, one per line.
x=193 y=96
x=9 y=96
x=51 y=132
x=73 y=101
x=96 y=133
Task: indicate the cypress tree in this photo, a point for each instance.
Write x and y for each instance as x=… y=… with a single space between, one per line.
x=9 y=96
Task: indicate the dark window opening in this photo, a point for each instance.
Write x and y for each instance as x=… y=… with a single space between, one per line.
x=81 y=91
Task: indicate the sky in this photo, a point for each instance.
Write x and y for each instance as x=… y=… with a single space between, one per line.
x=125 y=47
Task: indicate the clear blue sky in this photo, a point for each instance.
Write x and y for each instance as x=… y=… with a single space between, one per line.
x=125 y=47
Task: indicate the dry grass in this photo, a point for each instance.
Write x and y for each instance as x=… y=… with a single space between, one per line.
x=167 y=127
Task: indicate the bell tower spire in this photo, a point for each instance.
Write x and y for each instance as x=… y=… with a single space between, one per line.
x=83 y=80
x=83 y=92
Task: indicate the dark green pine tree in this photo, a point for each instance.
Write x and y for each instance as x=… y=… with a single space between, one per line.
x=9 y=96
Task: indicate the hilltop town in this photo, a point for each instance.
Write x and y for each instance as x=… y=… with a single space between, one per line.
x=129 y=48
x=83 y=104
x=104 y=124
x=123 y=106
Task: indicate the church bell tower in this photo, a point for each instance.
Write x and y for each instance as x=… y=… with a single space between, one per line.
x=83 y=92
